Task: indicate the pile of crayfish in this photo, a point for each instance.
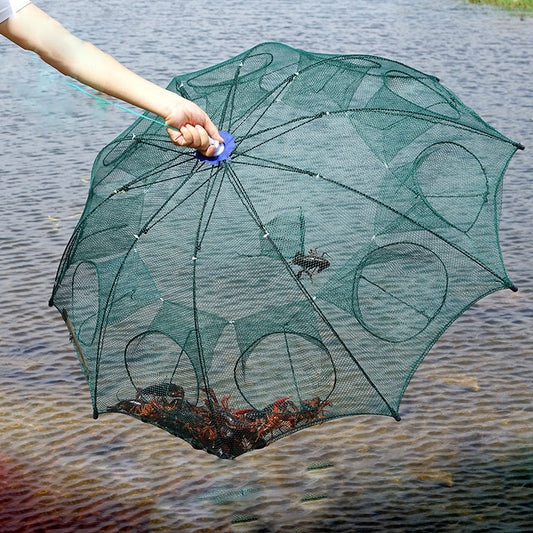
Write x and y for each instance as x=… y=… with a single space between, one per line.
x=212 y=425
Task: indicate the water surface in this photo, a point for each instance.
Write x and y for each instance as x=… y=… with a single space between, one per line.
x=461 y=458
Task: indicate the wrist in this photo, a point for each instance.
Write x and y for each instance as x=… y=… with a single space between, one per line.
x=169 y=104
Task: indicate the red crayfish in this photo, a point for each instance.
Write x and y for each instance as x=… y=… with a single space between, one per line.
x=213 y=425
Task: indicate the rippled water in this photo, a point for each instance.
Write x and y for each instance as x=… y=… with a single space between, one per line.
x=461 y=458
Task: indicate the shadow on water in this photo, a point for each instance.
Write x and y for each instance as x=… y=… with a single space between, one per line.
x=30 y=503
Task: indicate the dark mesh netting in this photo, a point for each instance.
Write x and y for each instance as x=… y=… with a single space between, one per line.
x=303 y=278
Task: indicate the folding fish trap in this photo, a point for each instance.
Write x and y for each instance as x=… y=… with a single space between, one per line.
x=304 y=273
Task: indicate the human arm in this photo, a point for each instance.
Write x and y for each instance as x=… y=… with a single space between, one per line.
x=34 y=30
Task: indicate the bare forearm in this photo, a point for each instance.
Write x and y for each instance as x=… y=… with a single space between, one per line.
x=32 y=29
x=35 y=30
x=95 y=68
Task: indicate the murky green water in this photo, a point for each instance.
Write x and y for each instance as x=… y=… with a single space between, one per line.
x=461 y=459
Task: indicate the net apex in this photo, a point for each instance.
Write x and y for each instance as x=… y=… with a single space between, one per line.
x=223 y=149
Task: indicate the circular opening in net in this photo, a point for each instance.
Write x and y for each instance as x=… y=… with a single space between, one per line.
x=398 y=290
x=155 y=362
x=452 y=183
x=227 y=72
x=421 y=93
x=85 y=302
x=285 y=365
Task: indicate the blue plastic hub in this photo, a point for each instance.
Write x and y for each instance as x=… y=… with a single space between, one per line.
x=229 y=145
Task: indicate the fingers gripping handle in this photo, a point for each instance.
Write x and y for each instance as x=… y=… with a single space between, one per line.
x=218 y=145
x=223 y=150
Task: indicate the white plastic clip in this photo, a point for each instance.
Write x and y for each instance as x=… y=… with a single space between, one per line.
x=219 y=146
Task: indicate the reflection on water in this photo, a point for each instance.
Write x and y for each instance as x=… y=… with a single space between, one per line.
x=460 y=459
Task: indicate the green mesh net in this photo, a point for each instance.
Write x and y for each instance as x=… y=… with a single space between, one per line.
x=303 y=278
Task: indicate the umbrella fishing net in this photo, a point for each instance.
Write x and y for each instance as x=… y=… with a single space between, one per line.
x=302 y=276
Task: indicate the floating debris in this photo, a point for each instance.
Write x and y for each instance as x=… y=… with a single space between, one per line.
x=242 y=518
x=319 y=466
x=313 y=496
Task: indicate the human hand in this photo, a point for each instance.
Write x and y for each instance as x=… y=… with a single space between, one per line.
x=193 y=127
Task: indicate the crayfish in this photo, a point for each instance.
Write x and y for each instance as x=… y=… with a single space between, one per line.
x=310 y=263
x=212 y=425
